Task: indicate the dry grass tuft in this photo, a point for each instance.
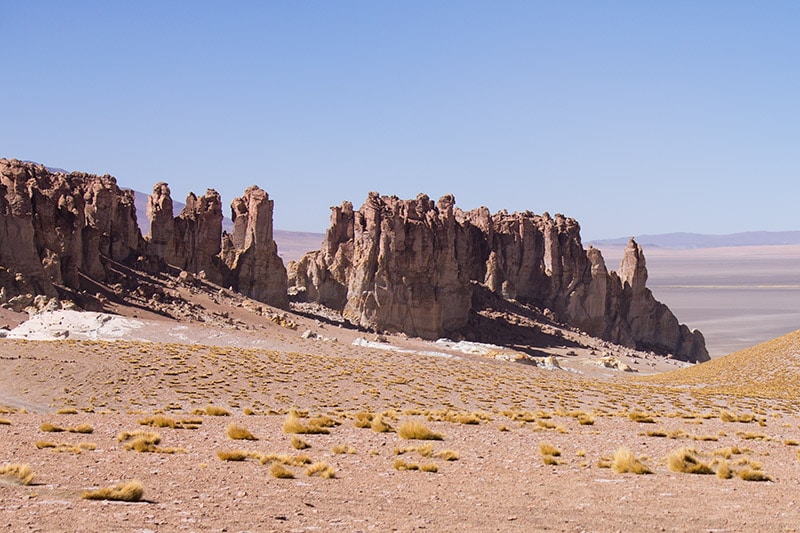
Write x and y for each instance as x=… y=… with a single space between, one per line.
x=753 y=475
x=50 y=428
x=237 y=432
x=343 y=448
x=642 y=418
x=744 y=418
x=277 y=470
x=322 y=469
x=160 y=421
x=685 y=460
x=624 y=461
x=299 y=444
x=545 y=448
x=363 y=420
x=67 y=411
x=233 y=455
x=215 y=410
x=293 y=424
x=378 y=425
x=401 y=465
x=448 y=455
x=83 y=428
x=21 y=473
x=428 y=467
x=724 y=470
x=412 y=429
x=123 y=492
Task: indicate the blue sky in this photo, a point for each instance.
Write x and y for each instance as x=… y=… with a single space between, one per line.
x=633 y=117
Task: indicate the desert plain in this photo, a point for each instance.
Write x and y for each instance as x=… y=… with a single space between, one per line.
x=328 y=417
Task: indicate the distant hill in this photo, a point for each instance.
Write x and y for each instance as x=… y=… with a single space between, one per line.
x=700 y=240
x=291 y=244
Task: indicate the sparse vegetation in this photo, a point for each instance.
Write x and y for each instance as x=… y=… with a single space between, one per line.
x=237 y=432
x=277 y=470
x=412 y=429
x=123 y=492
x=299 y=444
x=685 y=460
x=624 y=461
x=20 y=473
x=321 y=469
x=293 y=424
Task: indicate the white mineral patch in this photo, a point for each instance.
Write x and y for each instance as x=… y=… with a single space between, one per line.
x=58 y=325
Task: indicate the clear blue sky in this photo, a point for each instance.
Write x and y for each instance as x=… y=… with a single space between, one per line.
x=633 y=117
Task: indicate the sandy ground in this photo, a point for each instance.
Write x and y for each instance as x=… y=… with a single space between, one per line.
x=112 y=374
x=499 y=482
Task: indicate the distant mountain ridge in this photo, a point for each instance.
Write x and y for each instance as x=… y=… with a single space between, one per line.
x=702 y=240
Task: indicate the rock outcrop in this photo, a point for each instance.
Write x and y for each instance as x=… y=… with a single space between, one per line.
x=57 y=226
x=250 y=253
x=66 y=230
x=409 y=266
x=246 y=260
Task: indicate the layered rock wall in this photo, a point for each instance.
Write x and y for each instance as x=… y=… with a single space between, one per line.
x=250 y=253
x=57 y=226
x=246 y=260
x=408 y=265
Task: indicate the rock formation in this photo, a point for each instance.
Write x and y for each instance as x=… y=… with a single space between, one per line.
x=250 y=253
x=60 y=230
x=246 y=260
x=408 y=265
x=57 y=226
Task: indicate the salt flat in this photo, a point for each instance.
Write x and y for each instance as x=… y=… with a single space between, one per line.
x=737 y=296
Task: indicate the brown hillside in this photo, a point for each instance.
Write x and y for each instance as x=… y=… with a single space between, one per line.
x=767 y=370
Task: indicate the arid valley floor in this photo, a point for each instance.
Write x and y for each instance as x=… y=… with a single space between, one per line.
x=521 y=447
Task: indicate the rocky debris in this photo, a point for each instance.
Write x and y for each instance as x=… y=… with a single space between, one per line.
x=610 y=362
x=415 y=267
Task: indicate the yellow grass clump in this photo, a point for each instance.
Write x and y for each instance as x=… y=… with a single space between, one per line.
x=233 y=455
x=122 y=492
x=379 y=426
x=343 y=448
x=749 y=474
x=159 y=421
x=215 y=410
x=448 y=455
x=299 y=444
x=545 y=448
x=321 y=469
x=237 y=432
x=685 y=460
x=401 y=465
x=277 y=470
x=21 y=473
x=412 y=429
x=624 y=461
x=293 y=424
x=50 y=428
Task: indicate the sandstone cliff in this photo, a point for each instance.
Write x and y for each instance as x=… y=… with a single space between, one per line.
x=56 y=227
x=65 y=230
x=409 y=266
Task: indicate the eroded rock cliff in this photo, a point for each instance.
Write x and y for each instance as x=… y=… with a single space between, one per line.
x=56 y=227
x=68 y=230
x=409 y=266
